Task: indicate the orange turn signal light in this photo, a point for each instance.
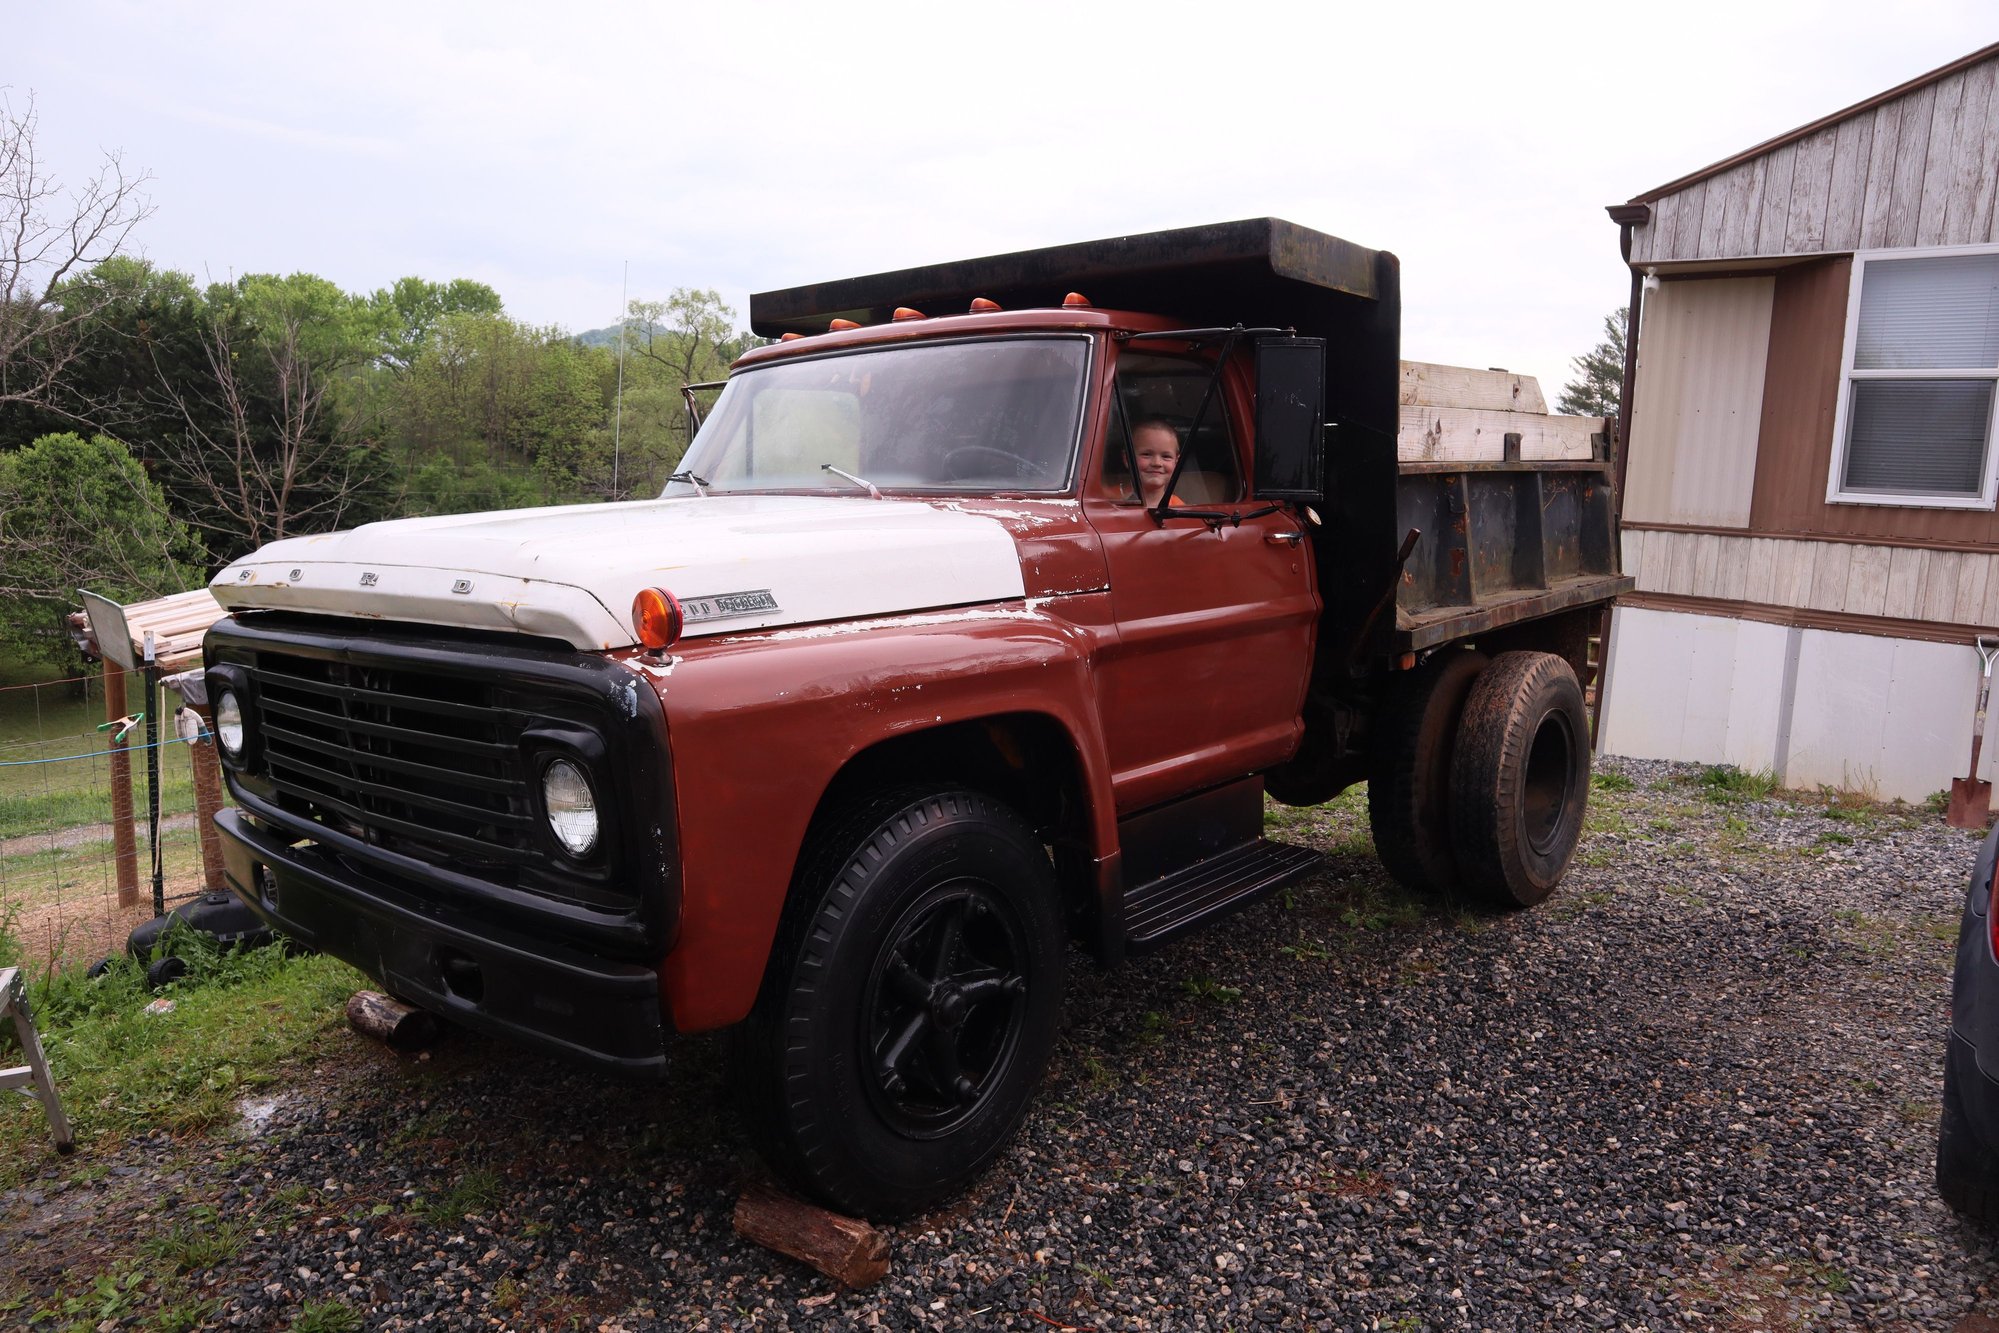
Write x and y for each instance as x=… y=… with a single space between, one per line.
x=903 y=312
x=1076 y=300
x=980 y=305
x=789 y=337
x=657 y=617
x=839 y=324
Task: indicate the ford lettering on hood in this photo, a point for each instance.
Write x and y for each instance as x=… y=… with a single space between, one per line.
x=735 y=562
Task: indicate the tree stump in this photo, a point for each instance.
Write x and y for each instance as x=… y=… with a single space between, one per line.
x=845 y=1249
x=389 y=1020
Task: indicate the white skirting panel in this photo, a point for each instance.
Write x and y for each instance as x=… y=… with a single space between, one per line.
x=1887 y=716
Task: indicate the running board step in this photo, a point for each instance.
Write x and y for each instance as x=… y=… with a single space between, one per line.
x=1169 y=907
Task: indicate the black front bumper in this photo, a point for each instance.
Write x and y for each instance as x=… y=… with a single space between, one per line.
x=493 y=980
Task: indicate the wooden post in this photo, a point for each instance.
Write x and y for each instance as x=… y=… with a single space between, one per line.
x=124 y=839
x=845 y=1249
x=207 y=800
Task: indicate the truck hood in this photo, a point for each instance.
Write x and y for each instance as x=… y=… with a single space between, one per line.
x=734 y=562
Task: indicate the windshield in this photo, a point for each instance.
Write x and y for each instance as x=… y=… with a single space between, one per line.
x=999 y=415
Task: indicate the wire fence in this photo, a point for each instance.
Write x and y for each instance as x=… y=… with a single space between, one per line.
x=59 y=873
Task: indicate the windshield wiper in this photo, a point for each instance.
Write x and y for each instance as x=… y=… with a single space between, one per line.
x=700 y=484
x=858 y=481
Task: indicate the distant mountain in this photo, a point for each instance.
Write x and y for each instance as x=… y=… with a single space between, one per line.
x=605 y=337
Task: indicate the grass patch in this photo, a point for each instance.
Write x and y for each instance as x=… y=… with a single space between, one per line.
x=472 y=1193
x=1209 y=991
x=1611 y=782
x=1725 y=783
x=327 y=1317
x=42 y=787
x=239 y=1018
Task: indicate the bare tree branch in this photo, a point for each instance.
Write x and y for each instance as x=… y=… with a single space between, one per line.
x=49 y=240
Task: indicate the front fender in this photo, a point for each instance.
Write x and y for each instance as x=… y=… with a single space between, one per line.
x=762 y=723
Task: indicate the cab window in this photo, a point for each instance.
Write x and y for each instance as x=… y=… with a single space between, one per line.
x=1170 y=388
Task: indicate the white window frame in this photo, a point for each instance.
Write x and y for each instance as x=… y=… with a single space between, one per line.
x=1988 y=495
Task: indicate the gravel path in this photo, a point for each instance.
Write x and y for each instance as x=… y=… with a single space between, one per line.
x=1697 y=1089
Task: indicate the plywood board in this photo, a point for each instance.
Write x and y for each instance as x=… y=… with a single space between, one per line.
x=1867 y=581
x=1939 y=163
x=1461 y=433
x=1880 y=175
x=1846 y=197
x=1830 y=568
x=1905 y=204
x=1977 y=136
x=1426 y=384
x=1776 y=200
x=1811 y=181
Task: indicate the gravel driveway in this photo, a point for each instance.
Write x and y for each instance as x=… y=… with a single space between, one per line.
x=1697 y=1089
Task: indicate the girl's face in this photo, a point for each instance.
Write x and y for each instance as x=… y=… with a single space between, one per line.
x=1157 y=452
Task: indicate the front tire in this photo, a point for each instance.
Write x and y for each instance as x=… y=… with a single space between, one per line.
x=910 y=1004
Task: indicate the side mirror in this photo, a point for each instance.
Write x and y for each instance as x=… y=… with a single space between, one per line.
x=1290 y=418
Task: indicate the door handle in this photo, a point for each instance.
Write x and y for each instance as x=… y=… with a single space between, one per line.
x=1283 y=538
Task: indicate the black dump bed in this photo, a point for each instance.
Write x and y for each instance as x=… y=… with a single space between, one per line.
x=1495 y=550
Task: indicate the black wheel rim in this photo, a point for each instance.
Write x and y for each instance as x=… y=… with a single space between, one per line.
x=1547 y=787
x=945 y=1004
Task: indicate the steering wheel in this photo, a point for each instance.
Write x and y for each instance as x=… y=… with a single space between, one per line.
x=969 y=460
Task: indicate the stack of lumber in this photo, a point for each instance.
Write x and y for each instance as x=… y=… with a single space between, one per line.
x=1457 y=414
x=177 y=622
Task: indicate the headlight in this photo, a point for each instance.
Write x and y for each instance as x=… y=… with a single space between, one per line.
x=571 y=807
x=229 y=724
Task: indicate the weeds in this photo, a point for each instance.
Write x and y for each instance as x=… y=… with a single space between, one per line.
x=1725 y=783
x=474 y=1192
x=1209 y=991
x=327 y=1317
x=1611 y=782
x=203 y=1241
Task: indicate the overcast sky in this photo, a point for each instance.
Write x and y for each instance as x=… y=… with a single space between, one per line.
x=539 y=148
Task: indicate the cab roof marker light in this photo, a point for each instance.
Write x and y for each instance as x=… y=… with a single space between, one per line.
x=839 y=324
x=789 y=337
x=657 y=619
x=980 y=305
x=903 y=312
x=1076 y=301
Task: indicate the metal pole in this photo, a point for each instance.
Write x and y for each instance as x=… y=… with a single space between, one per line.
x=618 y=412
x=153 y=776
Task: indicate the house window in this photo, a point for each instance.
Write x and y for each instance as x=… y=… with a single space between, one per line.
x=1915 y=419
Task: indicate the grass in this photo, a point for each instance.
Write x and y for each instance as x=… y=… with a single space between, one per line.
x=472 y=1193
x=239 y=1019
x=41 y=788
x=1725 y=783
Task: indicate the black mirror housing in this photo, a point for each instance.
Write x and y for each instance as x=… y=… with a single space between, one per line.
x=1290 y=418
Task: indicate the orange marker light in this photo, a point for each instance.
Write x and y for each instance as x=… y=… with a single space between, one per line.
x=657 y=617
x=789 y=337
x=839 y=324
x=903 y=312
x=980 y=305
x=1076 y=300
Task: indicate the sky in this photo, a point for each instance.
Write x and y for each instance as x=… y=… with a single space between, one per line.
x=547 y=151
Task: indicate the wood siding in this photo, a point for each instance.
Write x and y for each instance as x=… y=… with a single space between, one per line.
x=1921 y=169
x=1890 y=587
x=1698 y=400
x=1794 y=454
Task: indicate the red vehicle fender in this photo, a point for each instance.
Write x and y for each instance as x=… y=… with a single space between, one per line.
x=762 y=724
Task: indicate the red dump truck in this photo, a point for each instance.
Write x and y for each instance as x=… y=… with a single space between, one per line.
x=915 y=675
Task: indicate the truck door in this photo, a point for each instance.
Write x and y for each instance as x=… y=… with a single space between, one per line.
x=1215 y=620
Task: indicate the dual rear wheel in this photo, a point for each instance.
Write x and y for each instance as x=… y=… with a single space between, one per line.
x=1481 y=776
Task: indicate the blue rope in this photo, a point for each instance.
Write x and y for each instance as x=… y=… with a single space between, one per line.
x=94 y=754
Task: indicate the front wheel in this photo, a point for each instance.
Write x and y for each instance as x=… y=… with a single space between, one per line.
x=910 y=1004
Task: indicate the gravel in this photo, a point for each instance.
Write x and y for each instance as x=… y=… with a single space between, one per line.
x=1696 y=1089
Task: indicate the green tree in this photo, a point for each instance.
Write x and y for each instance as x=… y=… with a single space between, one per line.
x=1599 y=373
x=414 y=307
x=81 y=513
x=689 y=338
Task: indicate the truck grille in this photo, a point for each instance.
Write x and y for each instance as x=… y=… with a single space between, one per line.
x=424 y=763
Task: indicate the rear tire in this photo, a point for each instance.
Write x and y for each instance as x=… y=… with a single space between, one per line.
x=1409 y=778
x=1967 y=1173
x=910 y=1004
x=1520 y=778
